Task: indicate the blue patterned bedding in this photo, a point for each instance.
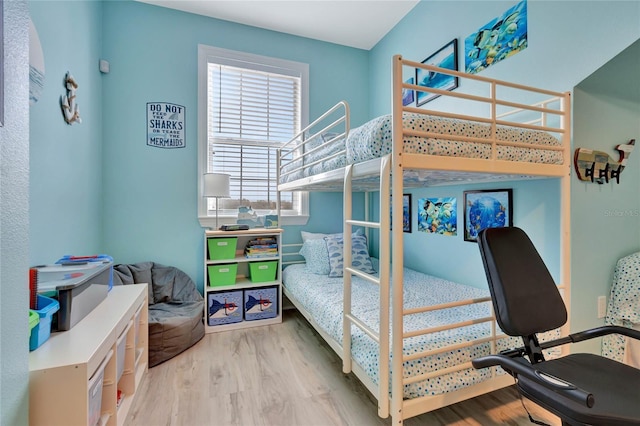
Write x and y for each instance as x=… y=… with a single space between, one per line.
x=624 y=305
x=322 y=298
x=374 y=139
x=325 y=154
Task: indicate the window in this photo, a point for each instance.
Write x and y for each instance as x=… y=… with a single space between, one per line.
x=249 y=106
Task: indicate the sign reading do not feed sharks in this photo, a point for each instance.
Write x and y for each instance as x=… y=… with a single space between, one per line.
x=165 y=125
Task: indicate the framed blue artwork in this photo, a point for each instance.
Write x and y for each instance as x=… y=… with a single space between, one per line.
x=406 y=213
x=408 y=94
x=438 y=216
x=486 y=209
x=498 y=39
x=445 y=57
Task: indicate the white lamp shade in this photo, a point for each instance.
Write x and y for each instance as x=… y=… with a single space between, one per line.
x=216 y=185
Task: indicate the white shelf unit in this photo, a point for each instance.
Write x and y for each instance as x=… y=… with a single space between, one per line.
x=63 y=370
x=242 y=281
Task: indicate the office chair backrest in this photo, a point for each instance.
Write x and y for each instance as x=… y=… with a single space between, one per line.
x=525 y=297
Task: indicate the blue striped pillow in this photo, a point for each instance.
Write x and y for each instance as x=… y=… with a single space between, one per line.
x=359 y=253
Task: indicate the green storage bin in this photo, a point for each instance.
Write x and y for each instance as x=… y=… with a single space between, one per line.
x=222 y=248
x=222 y=274
x=260 y=272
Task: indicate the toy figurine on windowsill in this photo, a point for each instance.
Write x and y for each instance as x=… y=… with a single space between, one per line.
x=246 y=216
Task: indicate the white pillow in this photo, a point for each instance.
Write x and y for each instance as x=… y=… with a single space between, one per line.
x=316 y=235
x=311 y=236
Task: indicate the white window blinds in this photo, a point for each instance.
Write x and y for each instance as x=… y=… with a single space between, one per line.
x=250 y=113
x=253 y=105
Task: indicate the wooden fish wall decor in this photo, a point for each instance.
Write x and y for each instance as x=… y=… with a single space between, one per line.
x=598 y=166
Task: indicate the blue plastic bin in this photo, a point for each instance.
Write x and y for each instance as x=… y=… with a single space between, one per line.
x=41 y=332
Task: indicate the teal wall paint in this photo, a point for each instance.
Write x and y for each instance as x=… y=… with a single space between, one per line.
x=455 y=259
x=14 y=220
x=98 y=188
x=606 y=218
x=150 y=194
x=146 y=198
x=562 y=42
x=568 y=40
x=66 y=213
x=459 y=260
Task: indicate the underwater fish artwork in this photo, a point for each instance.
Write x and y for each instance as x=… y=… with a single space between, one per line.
x=486 y=212
x=500 y=38
x=486 y=209
x=406 y=213
x=598 y=166
x=438 y=216
x=445 y=57
x=253 y=305
x=407 y=94
x=217 y=309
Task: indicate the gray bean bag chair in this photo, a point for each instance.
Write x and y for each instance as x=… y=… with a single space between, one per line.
x=175 y=307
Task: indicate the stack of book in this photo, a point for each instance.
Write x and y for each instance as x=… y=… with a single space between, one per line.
x=261 y=247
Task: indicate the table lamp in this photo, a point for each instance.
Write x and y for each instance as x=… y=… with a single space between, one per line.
x=216 y=185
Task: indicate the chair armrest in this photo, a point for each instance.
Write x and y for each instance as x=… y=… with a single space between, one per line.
x=603 y=331
x=515 y=368
x=590 y=334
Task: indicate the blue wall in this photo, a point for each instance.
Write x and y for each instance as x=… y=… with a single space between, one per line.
x=97 y=187
x=563 y=50
x=568 y=40
x=535 y=207
x=150 y=194
x=66 y=160
x=14 y=218
x=605 y=217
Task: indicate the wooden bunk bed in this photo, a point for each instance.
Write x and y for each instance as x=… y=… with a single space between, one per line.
x=504 y=144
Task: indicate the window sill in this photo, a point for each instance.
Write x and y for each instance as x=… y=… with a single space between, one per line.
x=210 y=221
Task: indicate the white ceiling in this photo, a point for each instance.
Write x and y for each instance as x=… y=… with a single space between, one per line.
x=354 y=23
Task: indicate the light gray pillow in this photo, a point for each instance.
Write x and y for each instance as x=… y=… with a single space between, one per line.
x=316 y=255
x=319 y=235
x=312 y=235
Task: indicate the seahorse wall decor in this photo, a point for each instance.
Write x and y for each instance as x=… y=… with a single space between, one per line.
x=598 y=166
x=70 y=110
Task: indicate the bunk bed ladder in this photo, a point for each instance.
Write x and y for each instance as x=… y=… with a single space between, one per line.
x=397 y=261
x=382 y=335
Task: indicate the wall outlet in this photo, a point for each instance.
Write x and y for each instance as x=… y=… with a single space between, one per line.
x=602 y=306
x=103 y=66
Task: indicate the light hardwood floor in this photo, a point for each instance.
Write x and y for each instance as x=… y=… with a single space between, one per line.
x=283 y=375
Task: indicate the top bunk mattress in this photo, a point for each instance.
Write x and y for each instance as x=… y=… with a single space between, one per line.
x=374 y=139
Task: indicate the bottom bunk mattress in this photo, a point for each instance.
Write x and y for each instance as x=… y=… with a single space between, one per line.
x=321 y=297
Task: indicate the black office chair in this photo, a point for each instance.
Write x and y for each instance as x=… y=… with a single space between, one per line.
x=581 y=389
